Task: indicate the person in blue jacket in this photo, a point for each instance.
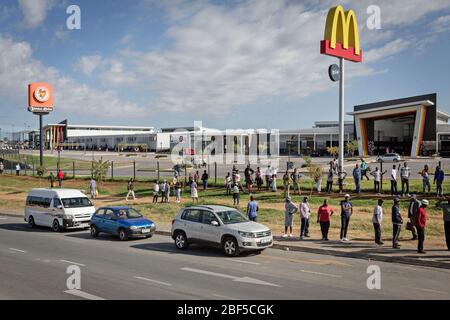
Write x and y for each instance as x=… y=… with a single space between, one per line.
x=438 y=180
x=357 y=178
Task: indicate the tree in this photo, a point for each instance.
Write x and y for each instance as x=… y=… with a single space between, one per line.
x=351 y=147
x=100 y=170
x=333 y=151
x=314 y=172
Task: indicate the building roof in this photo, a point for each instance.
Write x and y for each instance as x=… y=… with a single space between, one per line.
x=392 y=106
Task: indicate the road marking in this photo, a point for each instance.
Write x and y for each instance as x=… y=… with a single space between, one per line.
x=71 y=262
x=322 y=274
x=243 y=261
x=17 y=250
x=223 y=297
x=429 y=290
x=3 y=218
x=154 y=281
x=83 y=294
x=234 y=278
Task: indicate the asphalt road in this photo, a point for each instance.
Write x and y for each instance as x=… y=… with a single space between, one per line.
x=145 y=165
x=34 y=264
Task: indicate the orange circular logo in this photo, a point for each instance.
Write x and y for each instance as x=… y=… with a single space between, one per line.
x=41 y=94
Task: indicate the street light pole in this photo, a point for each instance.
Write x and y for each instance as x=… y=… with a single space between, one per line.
x=341 y=115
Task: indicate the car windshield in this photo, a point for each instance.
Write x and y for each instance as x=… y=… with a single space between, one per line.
x=232 y=216
x=128 y=213
x=76 y=202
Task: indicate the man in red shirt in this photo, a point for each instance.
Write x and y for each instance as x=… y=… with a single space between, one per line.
x=60 y=176
x=420 y=225
x=323 y=216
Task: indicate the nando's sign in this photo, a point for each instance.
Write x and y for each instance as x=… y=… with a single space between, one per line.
x=341 y=37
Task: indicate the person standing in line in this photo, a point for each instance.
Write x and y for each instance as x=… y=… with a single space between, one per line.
x=341 y=178
x=274 y=180
x=252 y=209
x=357 y=178
x=196 y=177
x=237 y=178
x=323 y=217
x=393 y=180
x=346 y=213
x=376 y=220
x=51 y=178
x=167 y=192
x=2 y=167
x=421 y=224
x=305 y=212
x=60 y=176
x=205 y=178
x=425 y=179
x=228 y=184
x=405 y=173
x=177 y=187
x=397 y=223
x=295 y=176
x=130 y=188
x=330 y=180
x=268 y=175
x=155 y=192
x=258 y=177
x=377 y=174
x=163 y=191
x=286 y=184
x=446 y=216
x=194 y=191
x=364 y=168
x=18 y=169
x=236 y=194
x=413 y=211
x=248 y=174
x=438 y=180
x=289 y=210
x=93 y=188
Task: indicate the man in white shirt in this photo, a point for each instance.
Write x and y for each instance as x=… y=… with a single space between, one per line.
x=18 y=169
x=394 y=180
x=376 y=220
x=405 y=172
x=305 y=212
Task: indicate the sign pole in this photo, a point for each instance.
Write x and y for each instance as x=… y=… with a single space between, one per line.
x=341 y=116
x=41 y=142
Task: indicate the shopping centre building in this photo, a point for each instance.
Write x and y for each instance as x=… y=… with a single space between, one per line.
x=411 y=126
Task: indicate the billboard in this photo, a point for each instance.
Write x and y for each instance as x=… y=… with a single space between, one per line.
x=341 y=38
x=40 y=97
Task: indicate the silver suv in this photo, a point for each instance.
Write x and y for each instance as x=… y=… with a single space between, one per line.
x=219 y=226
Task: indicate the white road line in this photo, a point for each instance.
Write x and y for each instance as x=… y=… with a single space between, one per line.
x=3 y=218
x=429 y=290
x=223 y=297
x=71 y=262
x=17 y=250
x=243 y=261
x=322 y=274
x=154 y=281
x=83 y=294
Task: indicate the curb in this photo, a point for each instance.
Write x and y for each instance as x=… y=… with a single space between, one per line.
x=355 y=255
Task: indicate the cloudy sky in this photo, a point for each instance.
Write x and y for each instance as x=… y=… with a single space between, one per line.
x=228 y=63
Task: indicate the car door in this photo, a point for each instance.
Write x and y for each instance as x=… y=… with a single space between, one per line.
x=208 y=232
x=57 y=208
x=98 y=219
x=192 y=223
x=109 y=221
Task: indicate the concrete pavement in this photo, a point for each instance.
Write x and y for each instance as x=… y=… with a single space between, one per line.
x=34 y=264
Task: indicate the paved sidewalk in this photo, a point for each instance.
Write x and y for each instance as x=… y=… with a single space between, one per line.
x=438 y=257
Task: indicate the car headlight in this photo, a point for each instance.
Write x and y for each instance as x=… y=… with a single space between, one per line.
x=246 y=234
x=133 y=228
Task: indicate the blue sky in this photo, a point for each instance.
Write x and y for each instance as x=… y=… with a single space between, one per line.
x=228 y=63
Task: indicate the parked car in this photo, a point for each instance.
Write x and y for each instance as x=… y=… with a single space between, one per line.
x=389 y=157
x=123 y=221
x=219 y=226
x=58 y=208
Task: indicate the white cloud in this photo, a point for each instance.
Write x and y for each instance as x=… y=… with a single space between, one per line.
x=441 y=24
x=35 y=11
x=88 y=64
x=18 y=68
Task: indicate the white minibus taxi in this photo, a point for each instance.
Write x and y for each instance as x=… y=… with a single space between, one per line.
x=58 y=208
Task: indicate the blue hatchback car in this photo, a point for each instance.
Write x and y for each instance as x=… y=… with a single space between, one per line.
x=123 y=221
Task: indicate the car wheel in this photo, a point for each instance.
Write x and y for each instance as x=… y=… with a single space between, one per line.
x=31 y=222
x=230 y=247
x=181 y=241
x=55 y=226
x=123 y=234
x=94 y=231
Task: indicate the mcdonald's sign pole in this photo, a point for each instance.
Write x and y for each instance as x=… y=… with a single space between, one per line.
x=341 y=40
